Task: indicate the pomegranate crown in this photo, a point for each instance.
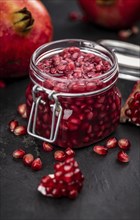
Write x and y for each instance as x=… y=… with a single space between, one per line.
x=23 y=20
x=105 y=2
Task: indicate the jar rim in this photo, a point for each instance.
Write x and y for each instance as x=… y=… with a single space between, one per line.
x=87 y=43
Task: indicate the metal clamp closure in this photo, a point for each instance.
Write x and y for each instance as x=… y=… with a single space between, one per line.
x=56 y=111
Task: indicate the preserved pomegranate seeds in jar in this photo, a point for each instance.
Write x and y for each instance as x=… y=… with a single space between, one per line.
x=72 y=99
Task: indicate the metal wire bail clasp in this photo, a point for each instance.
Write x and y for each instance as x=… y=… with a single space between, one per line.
x=56 y=111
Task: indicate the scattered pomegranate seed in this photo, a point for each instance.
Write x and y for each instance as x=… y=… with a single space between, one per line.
x=22 y=110
x=36 y=164
x=2 y=84
x=18 y=154
x=59 y=155
x=124 y=34
x=69 y=152
x=111 y=142
x=123 y=157
x=47 y=147
x=67 y=180
x=74 y=16
x=101 y=150
x=20 y=130
x=135 y=30
x=28 y=159
x=12 y=125
x=124 y=144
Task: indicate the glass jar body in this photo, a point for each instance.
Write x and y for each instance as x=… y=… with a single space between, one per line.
x=86 y=118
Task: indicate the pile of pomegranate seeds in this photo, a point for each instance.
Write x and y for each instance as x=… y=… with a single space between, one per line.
x=67 y=180
x=131 y=109
x=112 y=142
x=72 y=63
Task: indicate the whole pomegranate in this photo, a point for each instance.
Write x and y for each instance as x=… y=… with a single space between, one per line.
x=24 y=26
x=114 y=14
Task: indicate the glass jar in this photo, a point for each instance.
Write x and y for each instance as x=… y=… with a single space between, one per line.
x=72 y=112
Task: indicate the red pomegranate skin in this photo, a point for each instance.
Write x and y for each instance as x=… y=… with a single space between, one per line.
x=114 y=14
x=19 y=38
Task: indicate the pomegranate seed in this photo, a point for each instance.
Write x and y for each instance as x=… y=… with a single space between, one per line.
x=69 y=152
x=22 y=110
x=69 y=160
x=37 y=164
x=124 y=34
x=20 y=130
x=124 y=144
x=28 y=159
x=58 y=175
x=68 y=177
x=68 y=168
x=18 y=154
x=59 y=155
x=45 y=180
x=56 y=193
x=58 y=166
x=74 y=16
x=111 y=142
x=123 y=157
x=2 y=84
x=12 y=125
x=73 y=194
x=137 y=96
x=101 y=150
x=135 y=30
x=47 y=147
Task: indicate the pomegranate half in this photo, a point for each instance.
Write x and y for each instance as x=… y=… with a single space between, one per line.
x=24 y=25
x=131 y=108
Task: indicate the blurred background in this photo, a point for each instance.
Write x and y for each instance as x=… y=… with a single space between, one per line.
x=70 y=21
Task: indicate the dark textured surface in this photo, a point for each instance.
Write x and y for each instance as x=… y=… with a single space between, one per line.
x=111 y=190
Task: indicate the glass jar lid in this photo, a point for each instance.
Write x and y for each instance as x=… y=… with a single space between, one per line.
x=128 y=56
